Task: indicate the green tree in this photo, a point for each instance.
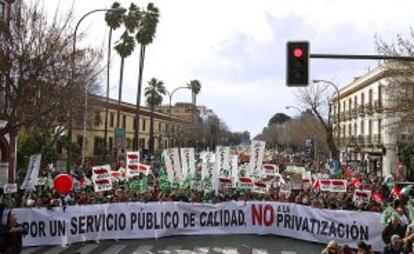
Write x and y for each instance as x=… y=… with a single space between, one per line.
x=114 y=21
x=153 y=93
x=145 y=36
x=278 y=118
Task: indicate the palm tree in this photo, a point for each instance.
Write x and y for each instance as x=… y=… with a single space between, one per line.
x=114 y=21
x=124 y=47
x=195 y=87
x=145 y=36
x=153 y=93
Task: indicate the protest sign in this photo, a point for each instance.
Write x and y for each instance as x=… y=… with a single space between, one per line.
x=101 y=178
x=32 y=173
x=270 y=170
x=136 y=220
x=245 y=183
x=234 y=167
x=260 y=187
x=338 y=185
x=132 y=164
x=223 y=161
x=10 y=188
x=257 y=149
x=361 y=196
x=172 y=163
x=4 y=173
x=208 y=167
x=187 y=161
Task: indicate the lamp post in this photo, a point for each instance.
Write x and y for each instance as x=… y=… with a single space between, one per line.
x=120 y=10
x=339 y=104
x=170 y=95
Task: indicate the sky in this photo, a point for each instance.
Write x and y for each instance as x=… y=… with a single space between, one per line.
x=236 y=48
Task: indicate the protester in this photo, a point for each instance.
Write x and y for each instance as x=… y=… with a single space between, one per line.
x=332 y=248
x=394 y=228
x=395 y=247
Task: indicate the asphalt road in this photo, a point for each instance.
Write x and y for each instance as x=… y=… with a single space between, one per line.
x=234 y=244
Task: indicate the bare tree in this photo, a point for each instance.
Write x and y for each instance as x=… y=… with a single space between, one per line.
x=316 y=98
x=36 y=86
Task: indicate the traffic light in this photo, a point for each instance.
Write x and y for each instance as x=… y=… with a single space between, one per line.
x=298 y=63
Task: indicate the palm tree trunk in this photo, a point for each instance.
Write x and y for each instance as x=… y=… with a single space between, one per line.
x=121 y=78
x=137 y=113
x=107 y=90
x=151 y=140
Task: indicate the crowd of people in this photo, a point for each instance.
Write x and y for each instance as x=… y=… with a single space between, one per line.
x=398 y=235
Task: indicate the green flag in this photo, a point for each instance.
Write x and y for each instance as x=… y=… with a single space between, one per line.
x=411 y=212
x=387 y=215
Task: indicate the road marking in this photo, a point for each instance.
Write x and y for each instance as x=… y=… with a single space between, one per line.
x=115 y=249
x=201 y=250
x=29 y=250
x=86 y=249
x=259 y=251
x=230 y=251
x=55 y=250
x=143 y=249
x=289 y=252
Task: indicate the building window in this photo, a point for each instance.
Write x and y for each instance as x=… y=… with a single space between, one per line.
x=124 y=117
x=159 y=126
x=350 y=104
x=111 y=143
x=370 y=97
x=369 y=128
x=142 y=143
x=129 y=143
x=362 y=127
x=355 y=129
x=143 y=124
x=355 y=102
x=97 y=145
x=379 y=126
x=379 y=94
x=350 y=130
x=97 y=118
x=79 y=141
x=135 y=123
x=362 y=99
x=112 y=120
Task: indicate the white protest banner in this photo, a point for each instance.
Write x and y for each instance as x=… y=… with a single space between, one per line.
x=4 y=173
x=172 y=163
x=245 y=183
x=257 y=149
x=208 y=167
x=325 y=185
x=338 y=185
x=223 y=161
x=234 y=167
x=132 y=164
x=260 y=187
x=270 y=170
x=101 y=178
x=136 y=220
x=361 y=195
x=10 y=188
x=32 y=173
x=187 y=161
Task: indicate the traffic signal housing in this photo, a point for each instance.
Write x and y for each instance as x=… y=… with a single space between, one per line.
x=297 y=63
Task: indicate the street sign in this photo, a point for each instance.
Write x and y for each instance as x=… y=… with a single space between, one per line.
x=120 y=138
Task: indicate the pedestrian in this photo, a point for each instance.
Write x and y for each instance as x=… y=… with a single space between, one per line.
x=395 y=247
x=332 y=248
x=394 y=228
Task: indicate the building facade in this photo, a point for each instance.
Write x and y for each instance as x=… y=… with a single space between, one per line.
x=165 y=127
x=366 y=125
x=182 y=110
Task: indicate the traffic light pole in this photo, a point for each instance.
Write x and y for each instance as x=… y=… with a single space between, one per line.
x=362 y=57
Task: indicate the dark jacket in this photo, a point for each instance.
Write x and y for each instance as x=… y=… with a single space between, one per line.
x=389 y=250
x=14 y=240
x=390 y=230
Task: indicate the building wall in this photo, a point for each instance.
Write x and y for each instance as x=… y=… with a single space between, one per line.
x=366 y=131
x=96 y=127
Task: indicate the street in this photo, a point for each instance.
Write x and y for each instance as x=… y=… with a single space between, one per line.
x=235 y=244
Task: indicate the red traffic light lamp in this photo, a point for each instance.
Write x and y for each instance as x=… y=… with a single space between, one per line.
x=297 y=63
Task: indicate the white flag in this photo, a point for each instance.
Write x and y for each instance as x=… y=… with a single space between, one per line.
x=257 y=150
x=187 y=161
x=172 y=163
x=223 y=161
x=32 y=173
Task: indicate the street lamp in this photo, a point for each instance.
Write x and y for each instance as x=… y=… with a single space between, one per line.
x=170 y=95
x=339 y=104
x=119 y=10
x=294 y=107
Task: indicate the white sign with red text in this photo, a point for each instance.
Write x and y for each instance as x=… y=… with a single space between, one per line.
x=101 y=178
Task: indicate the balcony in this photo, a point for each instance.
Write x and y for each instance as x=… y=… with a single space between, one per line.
x=377 y=139
x=360 y=140
x=378 y=106
x=361 y=110
x=369 y=109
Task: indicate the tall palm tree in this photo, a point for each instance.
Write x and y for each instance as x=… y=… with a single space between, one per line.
x=145 y=36
x=153 y=93
x=195 y=87
x=114 y=21
x=124 y=48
